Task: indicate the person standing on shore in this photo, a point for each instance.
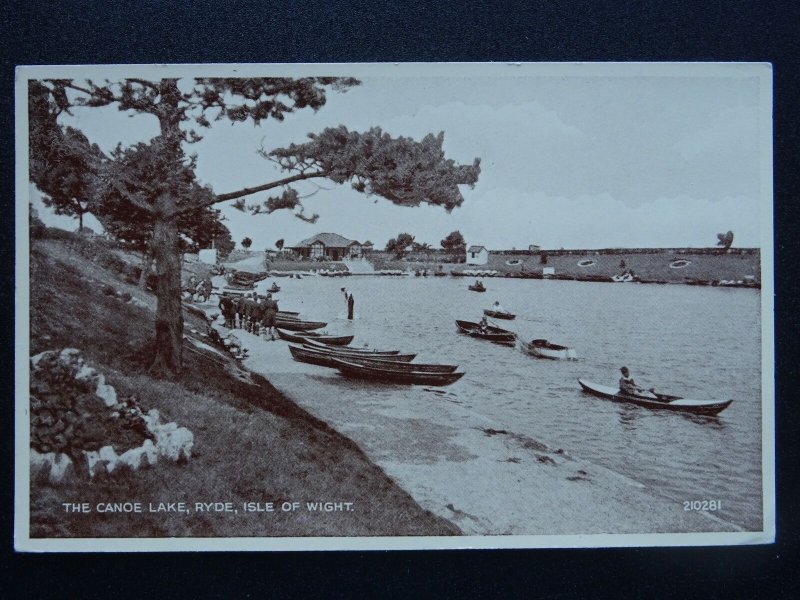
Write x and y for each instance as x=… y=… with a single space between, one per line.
x=257 y=315
x=227 y=308
x=351 y=304
x=270 y=310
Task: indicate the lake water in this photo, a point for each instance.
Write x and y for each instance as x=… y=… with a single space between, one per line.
x=691 y=341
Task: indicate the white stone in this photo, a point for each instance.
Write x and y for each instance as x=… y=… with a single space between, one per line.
x=107 y=393
x=109 y=456
x=85 y=373
x=35 y=360
x=133 y=457
x=92 y=460
x=151 y=452
x=58 y=471
x=176 y=443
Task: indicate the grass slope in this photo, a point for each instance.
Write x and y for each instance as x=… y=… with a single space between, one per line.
x=251 y=443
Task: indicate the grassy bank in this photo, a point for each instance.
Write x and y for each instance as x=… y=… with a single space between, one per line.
x=251 y=443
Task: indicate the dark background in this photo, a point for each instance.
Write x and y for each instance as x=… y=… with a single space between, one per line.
x=75 y=32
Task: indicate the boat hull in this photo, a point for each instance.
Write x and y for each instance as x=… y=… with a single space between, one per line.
x=326 y=359
x=499 y=314
x=382 y=375
x=551 y=351
x=331 y=340
x=298 y=325
x=491 y=334
x=660 y=402
x=392 y=354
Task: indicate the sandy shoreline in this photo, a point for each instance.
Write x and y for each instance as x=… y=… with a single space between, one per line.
x=483 y=476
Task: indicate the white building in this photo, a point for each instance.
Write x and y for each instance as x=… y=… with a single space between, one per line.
x=477 y=255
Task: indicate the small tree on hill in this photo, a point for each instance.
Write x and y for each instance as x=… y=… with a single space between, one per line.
x=725 y=240
x=246 y=243
x=400 y=244
x=454 y=242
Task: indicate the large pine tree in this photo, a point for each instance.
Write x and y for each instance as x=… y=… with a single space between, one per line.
x=165 y=193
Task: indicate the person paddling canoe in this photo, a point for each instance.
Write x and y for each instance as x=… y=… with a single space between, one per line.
x=628 y=386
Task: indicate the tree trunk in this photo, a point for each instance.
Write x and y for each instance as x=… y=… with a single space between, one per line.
x=169 y=315
x=80 y=222
x=147 y=265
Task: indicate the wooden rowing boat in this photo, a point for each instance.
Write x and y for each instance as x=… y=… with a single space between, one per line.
x=299 y=338
x=499 y=314
x=545 y=349
x=489 y=333
x=327 y=359
x=656 y=401
x=477 y=288
x=363 y=352
x=388 y=375
x=298 y=325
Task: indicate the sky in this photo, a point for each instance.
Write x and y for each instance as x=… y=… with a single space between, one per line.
x=569 y=159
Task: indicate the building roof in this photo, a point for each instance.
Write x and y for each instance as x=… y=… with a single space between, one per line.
x=330 y=240
x=475 y=248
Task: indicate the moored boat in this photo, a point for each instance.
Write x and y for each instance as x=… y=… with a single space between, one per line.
x=388 y=375
x=299 y=338
x=490 y=333
x=346 y=351
x=655 y=400
x=545 y=349
x=294 y=324
x=477 y=287
x=328 y=359
x=274 y=288
x=499 y=314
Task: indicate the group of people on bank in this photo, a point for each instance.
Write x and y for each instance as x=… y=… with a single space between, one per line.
x=250 y=312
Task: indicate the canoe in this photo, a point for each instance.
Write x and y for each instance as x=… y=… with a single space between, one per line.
x=491 y=333
x=477 y=288
x=363 y=352
x=299 y=338
x=545 y=349
x=499 y=314
x=297 y=324
x=384 y=375
x=327 y=359
x=657 y=401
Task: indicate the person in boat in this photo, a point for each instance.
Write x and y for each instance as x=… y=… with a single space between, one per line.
x=268 y=320
x=484 y=324
x=628 y=386
x=496 y=307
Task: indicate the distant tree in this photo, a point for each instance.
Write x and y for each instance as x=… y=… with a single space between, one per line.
x=224 y=243
x=246 y=243
x=725 y=240
x=622 y=264
x=454 y=242
x=279 y=244
x=400 y=244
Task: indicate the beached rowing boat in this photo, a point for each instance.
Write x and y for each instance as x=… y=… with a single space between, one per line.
x=388 y=375
x=298 y=325
x=490 y=333
x=327 y=359
x=499 y=314
x=299 y=338
x=545 y=349
x=656 y=401
x=365 y=352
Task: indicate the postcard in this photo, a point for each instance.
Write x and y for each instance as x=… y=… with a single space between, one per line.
x=393 y=306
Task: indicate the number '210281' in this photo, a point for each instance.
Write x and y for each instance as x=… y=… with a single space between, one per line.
x=702 y=504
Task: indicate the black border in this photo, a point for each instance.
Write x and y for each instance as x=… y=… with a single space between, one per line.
x=38 y=32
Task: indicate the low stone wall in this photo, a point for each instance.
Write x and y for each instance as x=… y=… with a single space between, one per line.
x=81 y=428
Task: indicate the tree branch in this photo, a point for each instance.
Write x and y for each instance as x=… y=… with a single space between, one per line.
x=248 y=191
